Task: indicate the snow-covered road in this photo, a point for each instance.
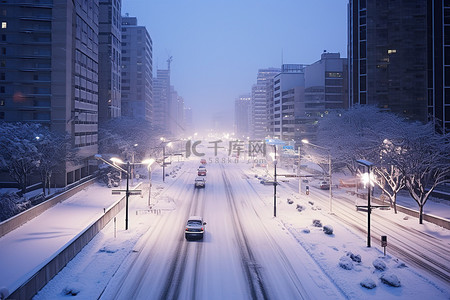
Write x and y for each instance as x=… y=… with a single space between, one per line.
x=242 y=255
x=246 y=252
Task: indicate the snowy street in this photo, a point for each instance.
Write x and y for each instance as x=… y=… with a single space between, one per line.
x=246 y=253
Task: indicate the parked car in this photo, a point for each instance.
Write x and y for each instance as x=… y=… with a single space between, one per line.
x=201 y=171
x=200 y=182
x=195 y=228
x=324 y=185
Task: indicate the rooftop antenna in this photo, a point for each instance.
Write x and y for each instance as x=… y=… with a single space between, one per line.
x=169 y=60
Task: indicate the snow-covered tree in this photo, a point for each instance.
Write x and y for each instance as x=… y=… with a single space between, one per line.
x=389 y=176
x=426 y=162
x=403 y=153
x=121 y=135
x=353 y=134
x=19 y=154
x=54 y=150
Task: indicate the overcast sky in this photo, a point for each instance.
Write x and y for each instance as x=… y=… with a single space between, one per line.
x=219 y=45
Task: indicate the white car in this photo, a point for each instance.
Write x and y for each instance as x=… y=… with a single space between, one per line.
x=201 y=171
x=200 y=182
x=195 y=228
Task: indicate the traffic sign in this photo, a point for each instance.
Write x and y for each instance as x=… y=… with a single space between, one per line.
x=275 y=142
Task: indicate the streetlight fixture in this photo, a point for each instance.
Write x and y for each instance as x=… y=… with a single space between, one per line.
x=367 y=179
x=127 y=191
x=305 y=141
x=149 y=163
x=275 y=142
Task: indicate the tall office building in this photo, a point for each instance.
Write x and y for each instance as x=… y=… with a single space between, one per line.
x=161 y=98
x=137 y=74
x=325 y=89
x=259 y=113
x=49 y=71
x=175 y=116
x=109 y=55
x=188 y=120
x=242 y=116
x=288 y=94
x=399 y=53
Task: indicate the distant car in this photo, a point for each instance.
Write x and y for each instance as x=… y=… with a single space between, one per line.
x=203 y=161
x=201 y=171
x=324 y=185
x=195 y=228
x=200 y=182
x=268 y=182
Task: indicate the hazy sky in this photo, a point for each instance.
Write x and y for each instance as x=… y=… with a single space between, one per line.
x=219 y=45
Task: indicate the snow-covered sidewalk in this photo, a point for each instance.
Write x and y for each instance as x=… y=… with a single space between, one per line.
x=27 y=248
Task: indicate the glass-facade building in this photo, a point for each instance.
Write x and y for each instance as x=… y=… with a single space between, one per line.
x=399 y=57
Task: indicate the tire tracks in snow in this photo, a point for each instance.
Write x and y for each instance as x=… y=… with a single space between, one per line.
x=249 y=264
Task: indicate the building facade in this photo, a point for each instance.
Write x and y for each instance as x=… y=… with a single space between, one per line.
x=288 y=95
x=259 y=113
x=161 y=98
x=242 y=116
x=109 y=54
x=325 y=89
x=398 y=57
x=49 y=72
x=137 y=70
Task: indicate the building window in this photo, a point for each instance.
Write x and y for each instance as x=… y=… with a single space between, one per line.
x=2 y=102
x=4 y=25
x=2 y=115
x=2 y=76
x=2 y=89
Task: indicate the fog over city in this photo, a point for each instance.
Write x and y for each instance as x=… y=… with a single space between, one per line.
x=225 y=149
x=218 y=46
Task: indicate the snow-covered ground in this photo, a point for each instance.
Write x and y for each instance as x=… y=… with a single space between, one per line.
x=315 y=265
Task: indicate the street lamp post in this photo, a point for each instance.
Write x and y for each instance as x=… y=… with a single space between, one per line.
x=127 y=191
x=149 y=163
x=305 y=141
x=275 y=142
x=164 y=164
x=299 y=173
x=275 y=182
x=369 y=208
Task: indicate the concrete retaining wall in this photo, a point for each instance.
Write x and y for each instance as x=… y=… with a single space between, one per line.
x=65 y=254
x=25 y=216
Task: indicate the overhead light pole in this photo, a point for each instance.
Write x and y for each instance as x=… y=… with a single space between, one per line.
x=149 y=163
x=369 y=165
x=275 y=142
x=127 y=190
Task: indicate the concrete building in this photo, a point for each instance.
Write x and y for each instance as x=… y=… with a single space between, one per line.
x=49 y=72
x=259 y=113
x=137 y=70
x=302 y=94
x=288 y=95
x=242 y=116
x=325 y=89
x=398 y=57
x=109 y=55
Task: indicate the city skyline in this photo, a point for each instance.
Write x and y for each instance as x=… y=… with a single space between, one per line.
x=218 y=48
